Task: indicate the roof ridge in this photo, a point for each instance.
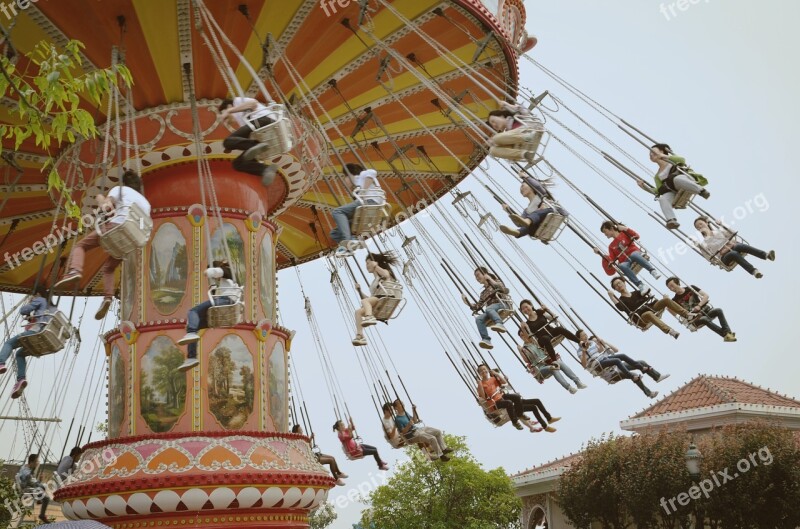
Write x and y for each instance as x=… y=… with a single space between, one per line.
x=722 y=393
x=757 y=387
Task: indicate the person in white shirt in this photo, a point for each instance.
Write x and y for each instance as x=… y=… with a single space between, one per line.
x=119 y=200
x=67 y=464
x=366 y=181
x=380 y=266
x=720 y=244
x=26 y=480
x=234 y=111
x=227 y=293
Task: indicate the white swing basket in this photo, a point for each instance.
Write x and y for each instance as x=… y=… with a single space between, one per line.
x=389 y=307
x=538 y=359
x=370 y=218
x=610 y=374
x=50 y=339
x=225 y=315
x=682 y=199
x=641 y=324
x=551 y=227
x=128 y=236
x=277 y=135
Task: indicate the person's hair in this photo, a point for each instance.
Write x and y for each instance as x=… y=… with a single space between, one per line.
x=353 y=169
x=663 y=147
x=613 y=281
x=227 y=102
x=336 y=425
x=227 y=273
x=75 y=451
x=579 y=331
x=504 y=113
x=705 y=219
x=385 y=260
x=387 y=406
x=32 y=458
x=40 y=290
x=296 y=428
x=484 y=364
x=609 y=225
x=132 y=179
x=525 y=302
x=485 y=271
x=673 y=279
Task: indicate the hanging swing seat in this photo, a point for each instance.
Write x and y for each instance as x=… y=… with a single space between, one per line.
x=390 y=300
x=716 y=259
x=276 y=135
x=636 y=267
x=50 y=339
x=537 y=358
x=682 y=199
x=372 y=213
x=359 y=453
x=551 y=227
x=688 y=323
x=495 y=416
x=610 y=374
x=128 y=236
x=398 y=441
x=225 y=315
x=508 y=306
x=640 y=324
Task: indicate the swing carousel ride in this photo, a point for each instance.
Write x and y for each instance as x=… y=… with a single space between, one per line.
x=400 y=87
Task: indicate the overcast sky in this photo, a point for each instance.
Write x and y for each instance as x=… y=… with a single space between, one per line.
x=718 y=82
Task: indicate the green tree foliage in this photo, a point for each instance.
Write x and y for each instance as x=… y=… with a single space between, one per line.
x=49 y=99
x=323 y=516
x=8 y=498
x=624 y=482
x=434 y=495
x=221 y=368
x=248 y=386
x=167 y=379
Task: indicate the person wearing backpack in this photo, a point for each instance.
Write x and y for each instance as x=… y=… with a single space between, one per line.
x=673 y=175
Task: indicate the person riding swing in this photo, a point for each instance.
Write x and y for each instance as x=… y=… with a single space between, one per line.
x=379 y=265
x=673 y=176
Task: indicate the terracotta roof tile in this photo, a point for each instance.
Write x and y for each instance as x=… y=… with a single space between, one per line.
x=707 y=390
x=552 y=465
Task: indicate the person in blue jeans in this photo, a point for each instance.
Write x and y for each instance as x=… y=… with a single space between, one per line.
x=537 y=360
x=366 y=181
x=227 y=293
x=623 y=253
x=38 y=309
x=721 y=244
x=491 y=303
x=540 y=204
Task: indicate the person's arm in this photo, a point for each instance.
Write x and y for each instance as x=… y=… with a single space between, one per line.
x=407 y=428
x=360 y=293
x=414 y=414
x=472 y=306
x=607 y=345
x=383 y=273
x=703 y=300
x=370 y=175
x=583 y=357
x=481 y=391
x=498 y=285
x=500 y=378
x=647 y=187
x=630 y=233
x=613 y=296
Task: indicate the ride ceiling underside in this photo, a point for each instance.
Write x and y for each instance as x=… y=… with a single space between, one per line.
x=304 y=41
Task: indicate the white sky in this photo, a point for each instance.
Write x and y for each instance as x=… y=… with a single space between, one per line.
x=718 y=82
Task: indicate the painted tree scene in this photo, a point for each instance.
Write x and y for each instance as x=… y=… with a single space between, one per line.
x=117 y=392
x=235 y=247
x=266 y=284
x=277 y=387
x=162 y=386
x=169 y=267
x=231 y=382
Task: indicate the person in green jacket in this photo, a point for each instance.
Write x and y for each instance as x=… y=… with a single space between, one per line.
x=673 y=175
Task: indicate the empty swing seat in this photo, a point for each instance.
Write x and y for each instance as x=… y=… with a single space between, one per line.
x=128 y=236
x=50 y=339
x=370 y=217
x=390 y=299
x=277 y=135
x=682 y=199
x=550 y=228
x=225 y=315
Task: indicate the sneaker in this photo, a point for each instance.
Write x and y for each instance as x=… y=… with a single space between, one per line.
x=662 y=376
x=573 y=390
x=704 y=193
x=353 y=245
x=358 y=341
x=367 y=321
x=19 y=387
x=189 y=337
x=103 y=310
x=254 y=151
x=536 y=429
x=342 y=475
x=771 y=255
x=757 y=274
x=383 y=466
x=43 y=519
x=498 y=327
x=69 y=277
x=656 y=274
x=189 y=363
x=517 y=220
x=342 y=252
x=505 y=313
x=674 y=333
x=3 y=369
x=673 y=224
x=444 y=458
x=485 y=344
x=340 y=482
x=550 y=429
x=644 y=288
x=509 y=231
x=268 y=175
x=517 y=425
x=580 y=385
x=653 y=394
x=730 y=337
x=551 y=420
x=447 y=451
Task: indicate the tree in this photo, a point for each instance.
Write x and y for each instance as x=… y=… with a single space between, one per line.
x=166 y=377
x=221 y=369
x=433 y=495
x=48 y=99
x=10 y=505
x=248 y=386
x=322 y=516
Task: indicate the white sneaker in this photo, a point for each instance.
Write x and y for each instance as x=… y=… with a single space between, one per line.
x=358 y=341
x=656 y=274
x=485 y=345
x=366 y=321
x=498 y=327
x=189 y=338
x=581 y=385
x=573 y=390
x=653 y=394
x=254 y=151
x=189 y=363
x=342 y=252
x=354 y=244
x=644 y=288
x=662 y=377
x=268 y=175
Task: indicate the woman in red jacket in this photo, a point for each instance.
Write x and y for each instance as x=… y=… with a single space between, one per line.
x=624 y=252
